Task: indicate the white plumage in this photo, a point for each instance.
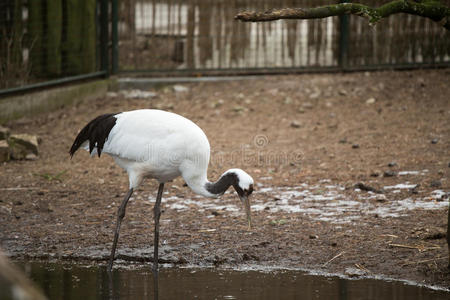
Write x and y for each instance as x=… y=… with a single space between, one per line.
x=160 y=145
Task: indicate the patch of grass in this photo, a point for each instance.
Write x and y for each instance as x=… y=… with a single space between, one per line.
x=52 y=177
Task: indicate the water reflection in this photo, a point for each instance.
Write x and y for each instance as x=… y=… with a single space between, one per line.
x=62 y=281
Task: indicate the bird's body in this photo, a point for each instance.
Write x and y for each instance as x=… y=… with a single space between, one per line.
x=162 y=145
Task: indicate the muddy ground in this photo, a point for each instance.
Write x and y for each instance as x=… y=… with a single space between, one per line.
x=306 y=139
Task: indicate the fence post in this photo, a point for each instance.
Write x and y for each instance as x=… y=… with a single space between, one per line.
x=114 y=37
x=343 y=39
x=104 y=37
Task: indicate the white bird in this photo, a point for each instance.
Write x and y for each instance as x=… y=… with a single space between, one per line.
x=150 y=143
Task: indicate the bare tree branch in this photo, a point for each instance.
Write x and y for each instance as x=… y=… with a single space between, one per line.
x=431 y=9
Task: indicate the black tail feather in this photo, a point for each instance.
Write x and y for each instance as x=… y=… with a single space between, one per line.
x=96 y=132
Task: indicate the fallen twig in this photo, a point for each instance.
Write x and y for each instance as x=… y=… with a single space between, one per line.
x=423 y=261
x=420 y=248
x=361 y=267
x=18 y=188
x=207 y=230
x=389 y=235
x=334 y=257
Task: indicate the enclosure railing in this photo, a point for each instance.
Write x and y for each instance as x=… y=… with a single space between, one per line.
x=201 y=36
x=43 y=43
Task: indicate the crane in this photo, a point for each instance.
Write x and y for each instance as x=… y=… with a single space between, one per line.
x=150 y=143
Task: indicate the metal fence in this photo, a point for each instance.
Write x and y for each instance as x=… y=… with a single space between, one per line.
x=201 y=36
x=44 y=42
x=47 y=42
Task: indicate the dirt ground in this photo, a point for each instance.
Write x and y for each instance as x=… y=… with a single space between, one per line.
x=291 y=133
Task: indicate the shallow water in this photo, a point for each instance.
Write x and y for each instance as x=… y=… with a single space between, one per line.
x=65 y=281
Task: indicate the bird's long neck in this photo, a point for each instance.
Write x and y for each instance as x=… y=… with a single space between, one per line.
x=201 y=185
x=222 y=184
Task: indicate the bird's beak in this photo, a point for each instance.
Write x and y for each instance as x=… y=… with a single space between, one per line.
x=246 y=203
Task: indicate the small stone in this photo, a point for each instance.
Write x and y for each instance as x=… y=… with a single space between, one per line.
x=301 y=110
x=375 y=174
x=295 y=124
x=313 y=236
x=343 y=92
x=4 y=133
x=315 y=95
x=436 y=184
x=31 y=156
x=434 y=141
x=354 y=272
x=238 y=108
x=23 y=144
x=370 y=101
x=180 y=88
x=287 y=100
x=392 y=164
x=111 y=94
x=215 y=213
x=4 y=151
x=388 y=173
x=307 y=105
x=355 y=146
x=343 y=141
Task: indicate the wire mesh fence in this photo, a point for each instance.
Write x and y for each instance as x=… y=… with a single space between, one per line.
x=202 y=35
x=43 y=40
x=46 y=41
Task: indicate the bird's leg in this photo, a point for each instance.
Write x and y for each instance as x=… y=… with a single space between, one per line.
x=157 y=214
x=120 y=215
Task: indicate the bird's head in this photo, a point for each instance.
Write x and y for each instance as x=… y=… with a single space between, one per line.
x=244 y=188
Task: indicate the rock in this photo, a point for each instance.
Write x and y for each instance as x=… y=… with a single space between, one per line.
x=315 y=94
x=434 y=141
x=307 y=105
x=392 y=164
x=436 y=184
x=355 y=146
x=367 y=188
x=4 y=151
x=375 y=173
x=180 y=88
x=287 y=100
x=388 y=173
x=295 y=124
x=31 y=156
x=23 y=144
x=4 y=133
x=111 y=94
x=354 y=272
x=370 y=101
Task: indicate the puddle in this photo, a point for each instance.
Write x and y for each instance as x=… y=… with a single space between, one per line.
x=65 y=281
x=322 y=202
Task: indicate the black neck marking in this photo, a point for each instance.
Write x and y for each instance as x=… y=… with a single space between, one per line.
x=96 y=132
x=220 y=186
